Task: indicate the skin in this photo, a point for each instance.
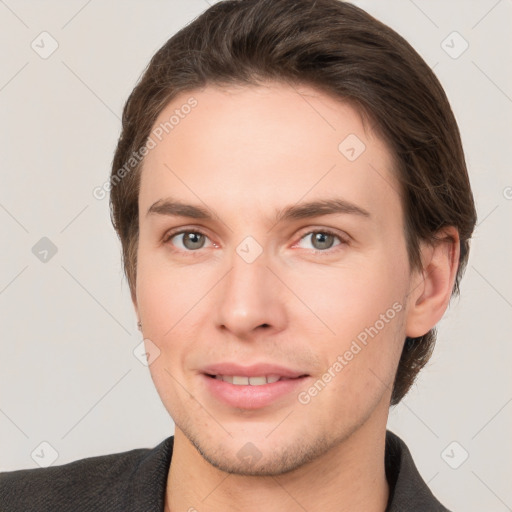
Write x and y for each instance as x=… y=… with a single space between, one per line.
x=243 y=153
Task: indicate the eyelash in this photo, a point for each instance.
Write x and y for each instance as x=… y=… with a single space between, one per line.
x=343 y=241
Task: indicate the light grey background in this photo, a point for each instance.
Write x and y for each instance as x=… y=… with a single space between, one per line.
x=68 y=375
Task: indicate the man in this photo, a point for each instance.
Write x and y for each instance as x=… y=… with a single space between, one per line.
x=295 y=213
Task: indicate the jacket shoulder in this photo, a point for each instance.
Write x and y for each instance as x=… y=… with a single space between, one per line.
x=409 y=490
x=76 y=485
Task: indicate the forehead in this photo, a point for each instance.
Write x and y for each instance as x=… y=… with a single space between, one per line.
x=257 y=147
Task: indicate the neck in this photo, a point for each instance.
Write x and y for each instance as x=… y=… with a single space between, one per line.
x=350 y=477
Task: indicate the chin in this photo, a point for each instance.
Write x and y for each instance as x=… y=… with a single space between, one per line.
x=249 y=456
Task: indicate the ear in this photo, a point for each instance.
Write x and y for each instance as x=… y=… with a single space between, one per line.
x=431 y=288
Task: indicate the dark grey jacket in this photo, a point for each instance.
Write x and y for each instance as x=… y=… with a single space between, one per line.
x=135 y=481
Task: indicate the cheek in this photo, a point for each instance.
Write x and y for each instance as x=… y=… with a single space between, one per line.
x=165 y=295
x=361 y=303
x=352 y=297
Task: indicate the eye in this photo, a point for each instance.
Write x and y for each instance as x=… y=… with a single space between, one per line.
x=192 y=240
x=321 y=240
x=187 y=240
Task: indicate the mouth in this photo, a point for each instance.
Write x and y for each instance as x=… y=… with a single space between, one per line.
x=253 y=388
x=242 y=380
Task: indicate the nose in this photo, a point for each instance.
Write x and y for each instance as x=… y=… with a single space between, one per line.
x=250 y=299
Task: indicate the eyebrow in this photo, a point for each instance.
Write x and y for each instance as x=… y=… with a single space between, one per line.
x=173 y=207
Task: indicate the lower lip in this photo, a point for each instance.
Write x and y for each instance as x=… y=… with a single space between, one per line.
x=251 y=397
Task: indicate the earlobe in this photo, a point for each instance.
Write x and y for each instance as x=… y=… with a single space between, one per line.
x=430 y=294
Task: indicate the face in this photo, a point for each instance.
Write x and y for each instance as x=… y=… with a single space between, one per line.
x=271 y=246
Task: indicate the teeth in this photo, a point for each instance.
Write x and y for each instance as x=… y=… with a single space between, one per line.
x=239 y=380
x=257 y=381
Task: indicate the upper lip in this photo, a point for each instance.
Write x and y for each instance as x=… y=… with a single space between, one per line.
x=254 y=370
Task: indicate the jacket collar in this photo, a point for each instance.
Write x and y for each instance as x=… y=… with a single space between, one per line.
x=407 y=489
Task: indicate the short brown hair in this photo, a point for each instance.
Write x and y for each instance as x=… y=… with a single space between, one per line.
x=341 y=50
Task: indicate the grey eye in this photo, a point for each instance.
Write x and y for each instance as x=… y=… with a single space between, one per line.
x=322 y=240
x=191 y=240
